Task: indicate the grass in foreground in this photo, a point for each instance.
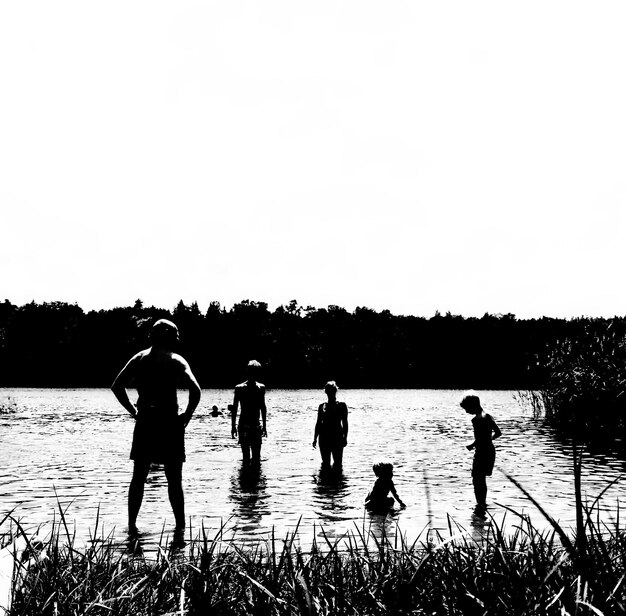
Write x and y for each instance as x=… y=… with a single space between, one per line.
x=524 y=572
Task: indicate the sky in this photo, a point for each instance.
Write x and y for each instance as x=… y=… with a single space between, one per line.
x=415 y=156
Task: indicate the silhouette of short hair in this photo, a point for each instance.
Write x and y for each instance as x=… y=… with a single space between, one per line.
x=382 y=468
x=331 y=385
x=164 y=334
x=470 y=401
x=253 y=366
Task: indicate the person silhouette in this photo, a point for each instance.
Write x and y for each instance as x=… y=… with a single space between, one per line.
x=331 y=427
x=378 y=498
x=251 y=396
x=159 y=433
x=485 y=431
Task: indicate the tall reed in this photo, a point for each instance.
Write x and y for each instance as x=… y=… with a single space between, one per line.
x=525 y=571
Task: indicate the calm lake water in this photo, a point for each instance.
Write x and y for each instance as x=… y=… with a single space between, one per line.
x=71 y=447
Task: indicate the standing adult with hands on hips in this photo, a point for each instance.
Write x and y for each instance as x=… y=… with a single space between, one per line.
x=159 y=434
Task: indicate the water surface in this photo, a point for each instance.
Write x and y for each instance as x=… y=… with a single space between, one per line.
x=69 y=449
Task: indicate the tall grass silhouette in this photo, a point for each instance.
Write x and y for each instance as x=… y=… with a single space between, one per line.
x=521 y=571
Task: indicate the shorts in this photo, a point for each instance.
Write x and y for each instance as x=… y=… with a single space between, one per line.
x=250 y=436
x=331 y=440
x=484 y=459
x=158 y=437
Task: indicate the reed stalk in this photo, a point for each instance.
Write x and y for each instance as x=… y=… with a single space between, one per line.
x=524 y=571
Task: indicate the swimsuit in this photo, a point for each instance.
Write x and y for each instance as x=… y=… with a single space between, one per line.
x=250 y=435
x=251 y=395
x=330 y=427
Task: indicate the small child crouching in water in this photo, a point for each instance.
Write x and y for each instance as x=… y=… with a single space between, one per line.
x=378 y=498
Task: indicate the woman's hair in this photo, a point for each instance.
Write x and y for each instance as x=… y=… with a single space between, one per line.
x=471 y=402
x=382 y=468
x=331 y=385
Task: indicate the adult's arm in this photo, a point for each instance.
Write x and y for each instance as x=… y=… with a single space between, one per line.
x=194 y=392
x=121 y=382
x=233 y=414
x=263 y=412
x=316 y=432
x=345 y=424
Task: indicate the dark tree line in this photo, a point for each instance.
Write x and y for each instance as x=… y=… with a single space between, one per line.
x=59 y=345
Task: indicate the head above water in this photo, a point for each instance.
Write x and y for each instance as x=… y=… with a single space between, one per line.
x=164 y=334
x=330 y=389
x=383 y=469
x=253 y=367
x=471 y=403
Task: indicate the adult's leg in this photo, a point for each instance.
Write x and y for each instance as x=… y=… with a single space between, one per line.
x=174 y=474
x=135 y=493
x=326 y=448
x=338 y=456
x=255 y=447
x=245 y=450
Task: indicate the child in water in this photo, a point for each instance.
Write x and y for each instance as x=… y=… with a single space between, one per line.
x=378 y=498
x=485 y=431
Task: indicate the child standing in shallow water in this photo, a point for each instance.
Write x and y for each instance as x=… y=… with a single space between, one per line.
x=485 y=431
x=379 y=498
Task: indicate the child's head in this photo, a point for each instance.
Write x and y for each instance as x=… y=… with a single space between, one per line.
x=471 y=403
x=383 y=469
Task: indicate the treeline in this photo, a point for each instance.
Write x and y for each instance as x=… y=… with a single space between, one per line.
x=56 y=344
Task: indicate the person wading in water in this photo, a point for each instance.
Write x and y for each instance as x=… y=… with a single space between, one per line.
x=251 y=395
x=485 y=431
x=159 y=434
x=331 y=428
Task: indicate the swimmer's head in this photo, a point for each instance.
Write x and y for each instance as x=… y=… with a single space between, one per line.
x=164 y=334
x=330 y=388
x=253 y=367
x=471 y=402
x=383 y=469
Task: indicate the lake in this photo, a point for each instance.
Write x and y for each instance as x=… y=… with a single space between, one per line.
x=70 y=448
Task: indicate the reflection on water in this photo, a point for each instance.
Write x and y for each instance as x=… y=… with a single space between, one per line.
x=68 y=450
x=331 y=487
x=249 y=498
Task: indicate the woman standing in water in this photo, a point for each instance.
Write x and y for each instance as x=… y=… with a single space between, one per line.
x=331 y=427
x=485 y=431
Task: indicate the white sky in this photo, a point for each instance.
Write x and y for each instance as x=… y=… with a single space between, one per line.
x=417 y=156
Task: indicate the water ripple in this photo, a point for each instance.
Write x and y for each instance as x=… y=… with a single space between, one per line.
x=68 y=450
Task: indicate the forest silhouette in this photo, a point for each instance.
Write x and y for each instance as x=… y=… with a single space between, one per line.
x=55 y=344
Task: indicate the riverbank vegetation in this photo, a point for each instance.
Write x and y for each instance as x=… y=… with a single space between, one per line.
x=47 y=345
x=521 y=572
x=583 y=384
